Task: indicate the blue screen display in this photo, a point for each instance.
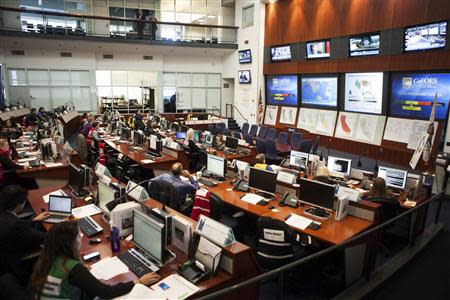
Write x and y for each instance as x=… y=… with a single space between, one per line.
x=319 y=91
x=412 y=95
x=282 y=90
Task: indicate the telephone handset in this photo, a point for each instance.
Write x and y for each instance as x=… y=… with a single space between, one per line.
x=289 y=200
x=241 y=185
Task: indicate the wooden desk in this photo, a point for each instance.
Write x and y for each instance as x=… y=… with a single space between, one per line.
x=53 y=172
x=244 y=264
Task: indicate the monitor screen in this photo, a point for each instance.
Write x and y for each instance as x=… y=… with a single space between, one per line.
x=231 y=142
x=60 y=204
x=318 y=49
x=364 y=45
x=280 y=53
x=197 y=135
x=364 y=92
x=425 y=37
x=412 y=95
x=216 y=165
x=148 y=234
x=209 y=140
x=153 y=142
x=317 y=193
x=181 y=135
x=298 y=159
x=394 y=178
x=339 y=165
x=106 y=194
x=75 y=178
x=282 y=90
x=263 y=180
x=244 y=76
x=319 y=91
x=245 y=56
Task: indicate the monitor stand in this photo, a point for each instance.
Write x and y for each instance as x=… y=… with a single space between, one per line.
x=265 y=195
x=318 y=212
x=169 y=257
x=81 y=193
x=217 y=178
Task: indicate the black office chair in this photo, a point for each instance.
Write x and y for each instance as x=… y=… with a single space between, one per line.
x=166 y=193
x=272 y=156
x=219 y=213
x=281 y=246
x=306 y=146
x=260 y=146
x=125 y=170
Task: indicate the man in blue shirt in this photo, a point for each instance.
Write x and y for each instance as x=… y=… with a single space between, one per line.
x=184 y=188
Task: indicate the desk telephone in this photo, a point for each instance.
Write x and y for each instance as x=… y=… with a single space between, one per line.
x=366 y=184
x=289 y=200
x=240 y=185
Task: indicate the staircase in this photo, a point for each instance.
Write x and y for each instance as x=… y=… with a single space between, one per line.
x=232 y=125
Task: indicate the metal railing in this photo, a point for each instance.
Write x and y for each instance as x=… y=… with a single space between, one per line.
x=58 y=23
x=364 y=235
x=229 y=112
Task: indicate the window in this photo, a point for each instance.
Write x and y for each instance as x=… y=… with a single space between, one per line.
x=247 y=16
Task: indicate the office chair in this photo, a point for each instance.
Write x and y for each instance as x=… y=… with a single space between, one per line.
x=253 y=130
x=226 y=132
x=245 y=128
x=272 y=156
x=194 y=159
x=271 y=134
x=315 y=145
x=248 y=139
x=202 y=159
x=296 y=140
x=221 y=126
x=262 y=132
x=237 y=134
x=81 y=146
x=284 y=248
x=260 y=146
x=282 y=138
x=166 y=193
x=306 y=146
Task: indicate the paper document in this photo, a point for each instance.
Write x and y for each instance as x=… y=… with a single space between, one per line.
x=57 y=193
x=140 y=292
x=24 y=160
x=108 y=267
x=84 y=211
x=252 y=198
x=53 y=164
x=208 y=254
x=298 y=221
x=147 y=161
x=175 y=287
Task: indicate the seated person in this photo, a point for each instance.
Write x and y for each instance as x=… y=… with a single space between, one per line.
x=87 y=125
x=184 y=188
x=379 y=190
x=31 y=120
x=189 y=141
x=93 y=134
x=220 y=143
x=18 y=237
x=60 y=274
x=12 y=127
x=41 y=113
x=323 y=175
x=260 y=163
x=8 y=168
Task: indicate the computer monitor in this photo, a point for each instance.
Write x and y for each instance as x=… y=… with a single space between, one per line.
x=318 y=194
x=209 y=140
x=394 y=178
x=174 y=127
x=154 y=144
x=298 y=159
x=106 y=194
x=197 y=136
x=263 y=180
x=216 y=165
x=231 y=142
x=76 y=178
x=125 y=134
x=339 y=167
x=149 y=235
x=181 y=135
x=138 y=138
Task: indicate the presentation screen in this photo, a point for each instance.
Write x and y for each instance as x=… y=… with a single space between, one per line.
x=364 y=92
x=280 y=53
x=245 y=56
x=318 y=49
x=424 y=37
x=412 y=95
x=364 y=45
x=282 y=90
x=319 y=91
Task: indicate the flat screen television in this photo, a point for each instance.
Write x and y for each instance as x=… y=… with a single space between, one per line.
x=282 y=90
x=425 y=37
x=412 y=95
x=364 y=92
x=244 y=76
x=245 y=56
x=318 y=49
x=280 y=53
x=319 y=91
x=363 y=45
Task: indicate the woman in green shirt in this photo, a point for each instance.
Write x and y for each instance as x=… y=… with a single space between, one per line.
x=59 y=274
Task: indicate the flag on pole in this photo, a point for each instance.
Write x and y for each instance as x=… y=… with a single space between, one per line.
x=428 y=145
x=260 y=109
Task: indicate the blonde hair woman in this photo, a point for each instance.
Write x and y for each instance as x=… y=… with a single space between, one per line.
x=323 y=175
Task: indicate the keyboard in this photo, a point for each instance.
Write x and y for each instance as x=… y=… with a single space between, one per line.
x=207 y=182
x=89 y=227
x=137 y=263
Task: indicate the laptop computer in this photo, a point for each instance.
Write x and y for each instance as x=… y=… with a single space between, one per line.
x=59 y=207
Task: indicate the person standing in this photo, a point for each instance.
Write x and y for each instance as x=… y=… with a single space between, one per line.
x=153 y=27
x=140 y=24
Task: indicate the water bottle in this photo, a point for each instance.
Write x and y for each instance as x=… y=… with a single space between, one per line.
x=115 y=239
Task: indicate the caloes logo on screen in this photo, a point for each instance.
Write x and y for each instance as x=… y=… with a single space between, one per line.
x=406 y=82
x=426 y=82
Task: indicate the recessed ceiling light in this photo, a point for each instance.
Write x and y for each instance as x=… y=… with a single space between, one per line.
x=211 y=17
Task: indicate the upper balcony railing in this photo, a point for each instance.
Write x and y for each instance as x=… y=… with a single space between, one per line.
x=47 y=22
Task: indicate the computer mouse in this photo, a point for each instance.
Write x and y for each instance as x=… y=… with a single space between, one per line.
x=271 y=207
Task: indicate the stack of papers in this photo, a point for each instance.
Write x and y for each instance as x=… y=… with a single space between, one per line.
x=175 y=287
x=140 y=292
x=252 y=198
x=108 y=268
x=53 y=164
x=84 y=211
x=56 y=193
x=147 y=161
x=298 y=221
